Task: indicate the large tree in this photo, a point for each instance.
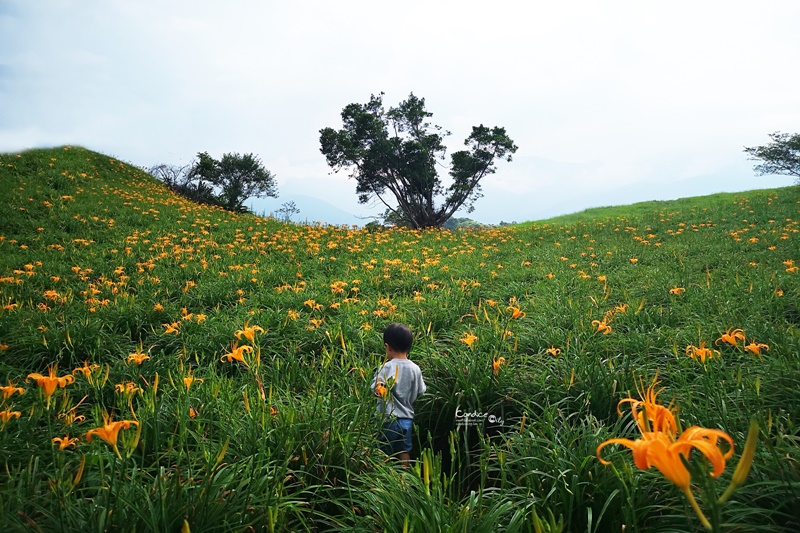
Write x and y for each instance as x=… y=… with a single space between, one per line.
x=393 y=156
x=237 y=177
x=781 y=156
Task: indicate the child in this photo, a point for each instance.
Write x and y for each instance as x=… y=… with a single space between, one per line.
x=397 y=384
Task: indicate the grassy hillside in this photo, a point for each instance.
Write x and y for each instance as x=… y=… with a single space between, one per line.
x=240 y=351
x=648 y=208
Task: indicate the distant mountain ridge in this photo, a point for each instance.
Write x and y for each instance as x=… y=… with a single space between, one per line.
x=311 y=210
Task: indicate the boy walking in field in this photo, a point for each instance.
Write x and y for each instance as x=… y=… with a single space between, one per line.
x=397 y=384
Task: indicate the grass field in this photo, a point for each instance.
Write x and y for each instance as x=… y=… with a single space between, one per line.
x=211 y=371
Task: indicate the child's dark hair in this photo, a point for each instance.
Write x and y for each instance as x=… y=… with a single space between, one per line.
x=398 y=337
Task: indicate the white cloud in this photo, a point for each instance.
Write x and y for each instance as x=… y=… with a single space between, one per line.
x=599 y=96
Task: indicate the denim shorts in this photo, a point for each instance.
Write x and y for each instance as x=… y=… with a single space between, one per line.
x=396 y=435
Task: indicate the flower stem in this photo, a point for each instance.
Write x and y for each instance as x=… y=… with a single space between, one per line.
x=703 y=520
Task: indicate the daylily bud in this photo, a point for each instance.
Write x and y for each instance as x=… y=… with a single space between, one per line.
x=79 y=473
x=745 y=461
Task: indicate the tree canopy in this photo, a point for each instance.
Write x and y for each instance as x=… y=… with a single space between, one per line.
x=236 y=178
x=178 y=179
x=395 y=154
x=781 y=156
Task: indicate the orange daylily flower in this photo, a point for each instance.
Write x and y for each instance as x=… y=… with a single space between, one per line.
x=659 y=447
x=138 y=357
x=667 y=455
x=109 y=431
x=70 y=417
x=663 y=451
x=87 y=370
x=381 y=391
x=127 y=388
x=496 y=364
x=7 y=415
x=313 y=304
x=190 y=379
x=516 y=312
x=655 y=416
x=237 y=353
x=732 y=337
x=469 y=339
x=601 y=326
x=249 y=332
x=65 y=442
x=50 y=382
x=677 y=291
x=92 y=373
x=553 y=351
x=10 y=389
x=701 y=352
x=756 y=347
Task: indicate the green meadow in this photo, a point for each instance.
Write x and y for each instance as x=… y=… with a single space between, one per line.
x=171 y=367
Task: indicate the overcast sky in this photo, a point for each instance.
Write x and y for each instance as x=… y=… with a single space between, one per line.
x=610 y=102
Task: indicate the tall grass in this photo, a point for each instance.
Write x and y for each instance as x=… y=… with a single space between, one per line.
x=99 y=262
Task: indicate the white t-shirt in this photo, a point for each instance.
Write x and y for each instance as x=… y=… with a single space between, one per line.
x=407 y=384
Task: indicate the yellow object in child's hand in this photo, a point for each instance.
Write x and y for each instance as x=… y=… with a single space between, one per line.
x=381 y=390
